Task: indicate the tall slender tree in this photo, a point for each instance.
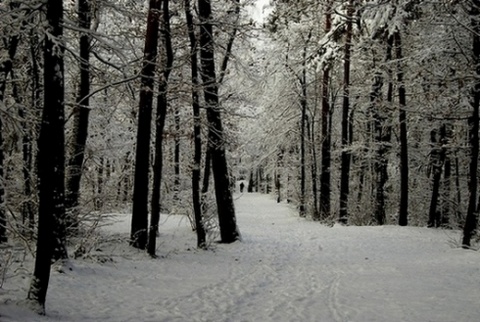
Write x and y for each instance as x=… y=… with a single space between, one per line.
x=139 y=226
x=438 y=156
x=345 y=173
x=162 y=103
x=303 y=123
x=51 y=157
x=403 y=211
x=325 y=176
x=197 y=157
x=81 y=113
x=471 y=221
x=382 y=120
x=226 y=211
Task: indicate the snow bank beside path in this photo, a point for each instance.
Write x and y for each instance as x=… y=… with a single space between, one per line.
x=286 y=269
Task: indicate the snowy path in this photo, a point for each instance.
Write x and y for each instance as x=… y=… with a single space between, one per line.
x=286 y=269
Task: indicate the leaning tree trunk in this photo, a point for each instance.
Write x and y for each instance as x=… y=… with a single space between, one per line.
x=226 y=210
x=162 y=103
x=139 y=227
x=471 y=221
x=197 y=157
x=51 y=158
x=403 y=211
x=345 y=173
x=81 y=112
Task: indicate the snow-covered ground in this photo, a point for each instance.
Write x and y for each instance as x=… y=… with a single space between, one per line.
x=286 y=269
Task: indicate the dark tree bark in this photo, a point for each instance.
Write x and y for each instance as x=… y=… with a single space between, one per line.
x=139 y=227
x=206 y=178
x=3 y=214
x=313 y=167
x=325 y=176
x=124 y=183
x=471 y=220
x=278 y=176
x=162 y=103
x=81 y=113
x=382 y=136
x=303 y=123
x=380 y=164
x=438 y=155
x=197 y=157
x=345 y=173
x=458 y=190
x=98 y=200
x=176 y=154
x=226 y=210
x=403 y=211
x=51 y=159
x=447 y=174
x=225 y=60
x=251 y=182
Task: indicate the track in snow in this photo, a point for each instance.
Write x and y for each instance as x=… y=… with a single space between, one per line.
x=286 y=269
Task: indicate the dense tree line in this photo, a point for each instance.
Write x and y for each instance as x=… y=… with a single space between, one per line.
x=79 y=132
x=385 y=95
x=362 y=112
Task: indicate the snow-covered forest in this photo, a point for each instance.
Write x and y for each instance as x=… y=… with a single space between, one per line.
x=347 y=113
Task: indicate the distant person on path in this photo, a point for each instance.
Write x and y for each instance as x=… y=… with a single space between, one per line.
x=242 y=185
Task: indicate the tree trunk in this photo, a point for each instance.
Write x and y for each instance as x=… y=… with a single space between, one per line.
x=303 y=104
x=345 y=173
x=447 y=174
x=458 y=199
x=313 y=168
x=138 y=233
x=403 y=211
x=471 y=220
x=98 y=204
x=382 y=136
x=325 y=176
x=197 y=135
x=81 y=112
x=380 y=164
x=206 y=178
x=3 y=214
x=162 y=104
x=176 y=154
x=278 y=175
x=226 y=210
x=51 y=159
x=437 y=163
x=251 y=182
